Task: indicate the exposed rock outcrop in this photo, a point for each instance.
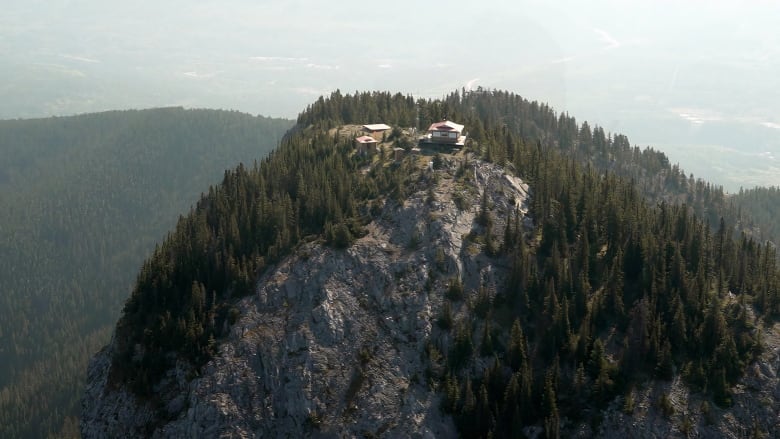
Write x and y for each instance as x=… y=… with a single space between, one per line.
x=332 y=342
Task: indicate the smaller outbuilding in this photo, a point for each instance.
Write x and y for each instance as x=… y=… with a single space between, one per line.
x=366 y=144
x=376 y=129
x=398 y=154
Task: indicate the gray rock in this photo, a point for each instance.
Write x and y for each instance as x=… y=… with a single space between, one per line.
x=331 y=344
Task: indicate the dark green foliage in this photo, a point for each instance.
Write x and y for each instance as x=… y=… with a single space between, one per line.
x=339 y=109
x=552 y=428
x=591 y=296
x=339 y=235
x=460 y=201
x=462 y=347
x=665 y=404
x=437 y=161
x=759 y=208
x=484 y=219
x=84 y=200
x=455 y=289
x=445 y=319
x=308 y=186
x=414 y=241
x=656 y=276
x=482 y=303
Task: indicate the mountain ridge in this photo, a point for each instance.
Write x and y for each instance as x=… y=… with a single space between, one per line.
x=605 y=292
x=341 y=361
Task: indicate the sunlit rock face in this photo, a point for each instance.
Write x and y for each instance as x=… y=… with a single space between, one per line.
x=333 y=342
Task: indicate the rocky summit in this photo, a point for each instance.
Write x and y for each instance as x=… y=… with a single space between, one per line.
x=332 y=343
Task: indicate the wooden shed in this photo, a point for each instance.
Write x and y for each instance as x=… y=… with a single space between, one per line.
x=366 y=144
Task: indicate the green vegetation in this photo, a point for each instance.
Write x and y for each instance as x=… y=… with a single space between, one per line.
x=760 y=209
x=632 y=273
x=84 y=200
x=609 y=291
x=308 y=186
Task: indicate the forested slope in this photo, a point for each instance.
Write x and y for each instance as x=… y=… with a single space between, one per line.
x=84 y=200
x=628 y=251
x=629 y=274
x=655 y=177
x=761 y=207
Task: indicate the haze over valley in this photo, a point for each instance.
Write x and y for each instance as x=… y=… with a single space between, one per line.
x=201 y=171
x=700 y=82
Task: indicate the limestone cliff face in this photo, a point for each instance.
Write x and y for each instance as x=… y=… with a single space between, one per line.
x=332 y=342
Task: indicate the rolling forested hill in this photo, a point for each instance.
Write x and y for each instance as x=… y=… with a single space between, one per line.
x=84 y=199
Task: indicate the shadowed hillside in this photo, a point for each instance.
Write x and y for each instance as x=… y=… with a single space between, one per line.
x=84 y=200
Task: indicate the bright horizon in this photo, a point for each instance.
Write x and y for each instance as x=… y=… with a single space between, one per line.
x=698 y=81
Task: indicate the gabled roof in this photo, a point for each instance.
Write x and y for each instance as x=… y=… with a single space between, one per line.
x=376 y=127
x=365 y=139
x=446 y=126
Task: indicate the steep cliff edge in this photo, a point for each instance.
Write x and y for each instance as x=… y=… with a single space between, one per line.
x=332 y=342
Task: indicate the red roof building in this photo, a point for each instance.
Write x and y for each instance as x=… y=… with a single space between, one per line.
x=446 y=132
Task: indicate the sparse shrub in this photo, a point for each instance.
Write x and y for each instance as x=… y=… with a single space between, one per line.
x=441 y=260
x=430 y=197
x=429 y=281
x=455 y=289
x=706 y=412
x=665 y=404
x=233 y=315
x=686 y=426
x=460 y=200
x=375 y=208
x=414 y=241
x=482 y=303
x=445 y=318
x=338 y=235
x=314 y=420
x=365 y=355
x=438 y=162
x=629 y=404
x=358 y=377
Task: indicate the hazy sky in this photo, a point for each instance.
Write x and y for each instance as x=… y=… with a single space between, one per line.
x=698 y=79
